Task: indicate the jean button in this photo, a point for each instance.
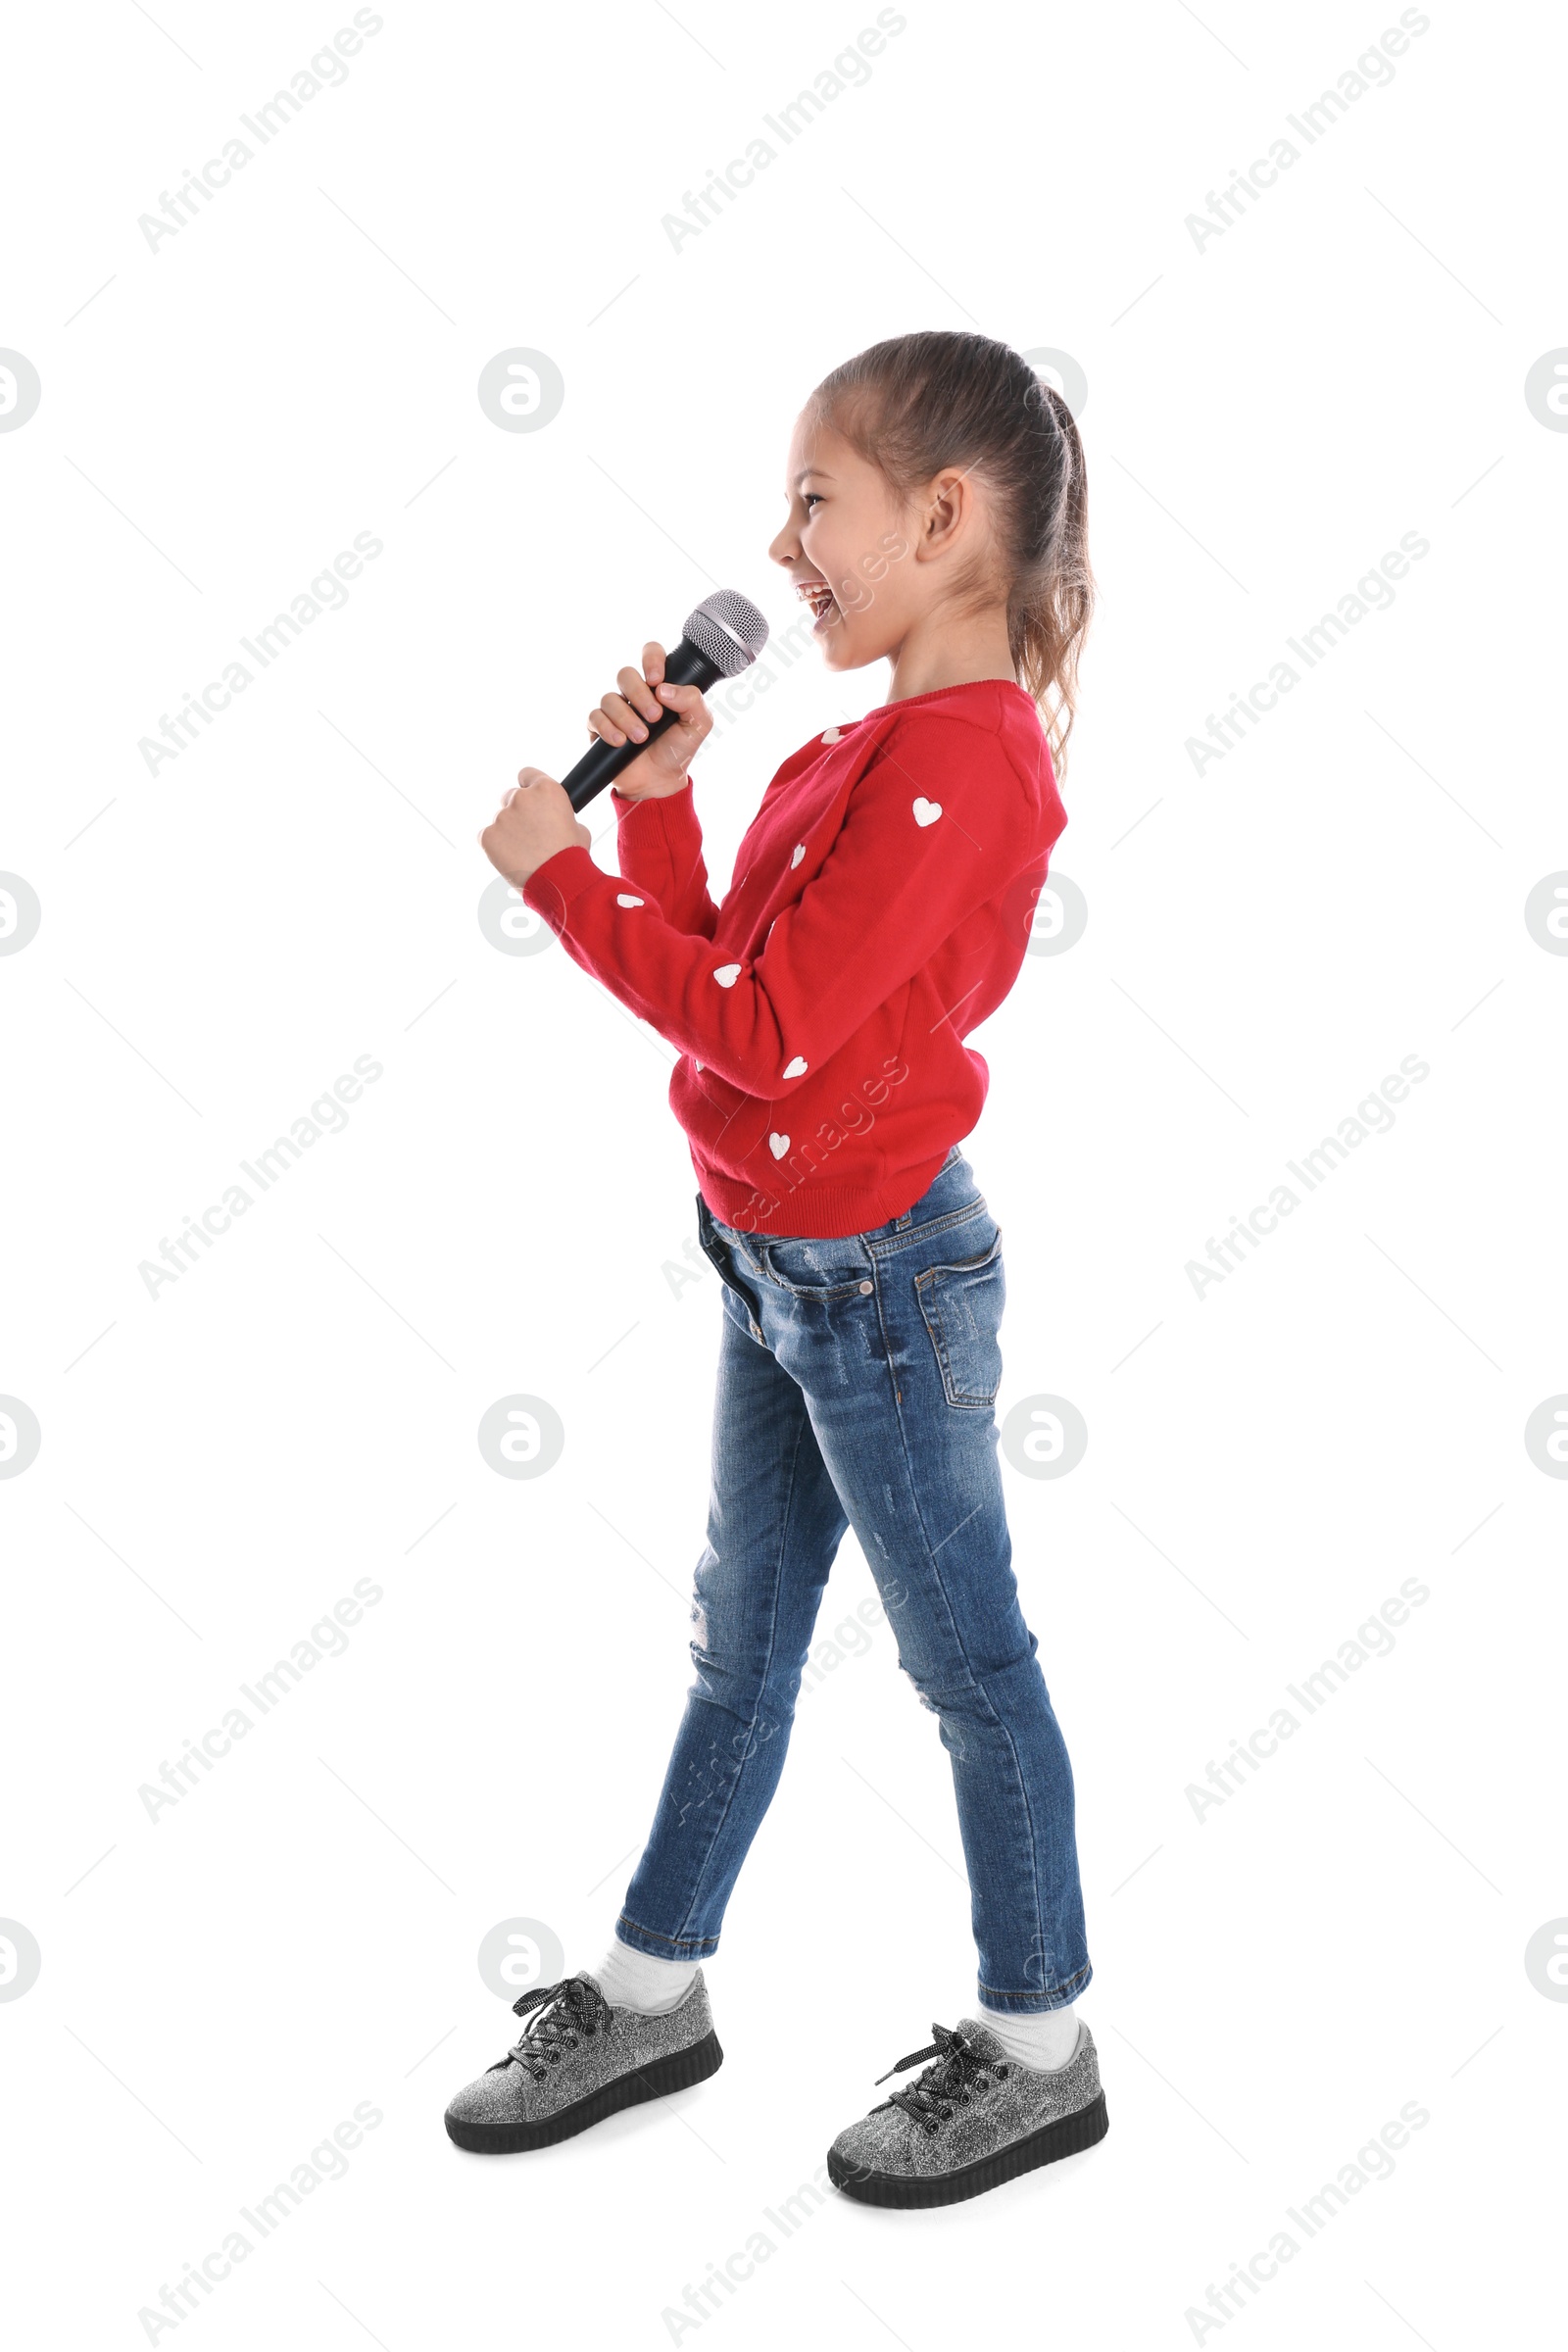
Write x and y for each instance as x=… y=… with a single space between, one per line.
x=866 y=1286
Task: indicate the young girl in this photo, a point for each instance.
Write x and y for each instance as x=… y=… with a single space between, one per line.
x=881 y=909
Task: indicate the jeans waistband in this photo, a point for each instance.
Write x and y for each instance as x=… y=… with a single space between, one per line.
x=952 y=1189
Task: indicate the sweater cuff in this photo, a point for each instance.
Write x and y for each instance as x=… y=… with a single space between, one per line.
x=665 y=801
x=552 y=887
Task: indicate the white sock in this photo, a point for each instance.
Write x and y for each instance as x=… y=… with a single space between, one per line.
x=1045 y=2039
x=633 y=1980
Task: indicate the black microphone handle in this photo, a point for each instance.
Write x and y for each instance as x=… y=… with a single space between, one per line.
x=602 y=762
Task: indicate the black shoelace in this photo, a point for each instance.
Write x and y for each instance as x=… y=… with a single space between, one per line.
x=563 y=2014
x=962 y=2073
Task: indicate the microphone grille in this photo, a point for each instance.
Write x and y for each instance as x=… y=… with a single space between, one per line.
x=728 y=629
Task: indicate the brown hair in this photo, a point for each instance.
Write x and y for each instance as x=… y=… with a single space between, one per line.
x=920 y=402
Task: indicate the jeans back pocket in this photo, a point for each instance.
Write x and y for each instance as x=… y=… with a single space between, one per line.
x=963 y=1305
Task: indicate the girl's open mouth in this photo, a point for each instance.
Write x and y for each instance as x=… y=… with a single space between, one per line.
x=824 y=606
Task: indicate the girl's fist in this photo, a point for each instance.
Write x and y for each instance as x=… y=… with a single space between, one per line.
x=535 y=819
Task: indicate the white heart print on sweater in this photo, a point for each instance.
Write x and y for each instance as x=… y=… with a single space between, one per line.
x=795 y=1068
x=622 y=900
x=778 y=1145
x=926 y=811
x=727 y=974
x=797 y=853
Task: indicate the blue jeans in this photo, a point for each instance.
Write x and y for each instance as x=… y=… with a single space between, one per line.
x=855 y=1388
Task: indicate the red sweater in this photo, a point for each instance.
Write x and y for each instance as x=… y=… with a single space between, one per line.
x=885 y=893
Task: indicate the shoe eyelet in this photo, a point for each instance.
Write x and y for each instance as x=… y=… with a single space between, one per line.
x=931 y=2126
x=1002 y=2072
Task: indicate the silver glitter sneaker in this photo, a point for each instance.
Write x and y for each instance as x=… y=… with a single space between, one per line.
x=970 y=2121
x=576 y=2061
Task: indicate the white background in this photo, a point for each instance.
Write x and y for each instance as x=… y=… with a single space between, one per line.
x=509 y=1207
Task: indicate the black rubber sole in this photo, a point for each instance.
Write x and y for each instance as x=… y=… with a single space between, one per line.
x=1067 y=2137
x=677 y=2071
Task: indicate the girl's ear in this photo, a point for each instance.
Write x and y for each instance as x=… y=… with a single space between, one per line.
x=947 y=504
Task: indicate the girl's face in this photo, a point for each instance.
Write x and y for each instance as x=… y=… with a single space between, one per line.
x=844 y=549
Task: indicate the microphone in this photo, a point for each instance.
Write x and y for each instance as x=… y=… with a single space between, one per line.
x=721 y=638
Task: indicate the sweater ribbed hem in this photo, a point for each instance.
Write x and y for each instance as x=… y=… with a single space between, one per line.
x=819 y=1211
